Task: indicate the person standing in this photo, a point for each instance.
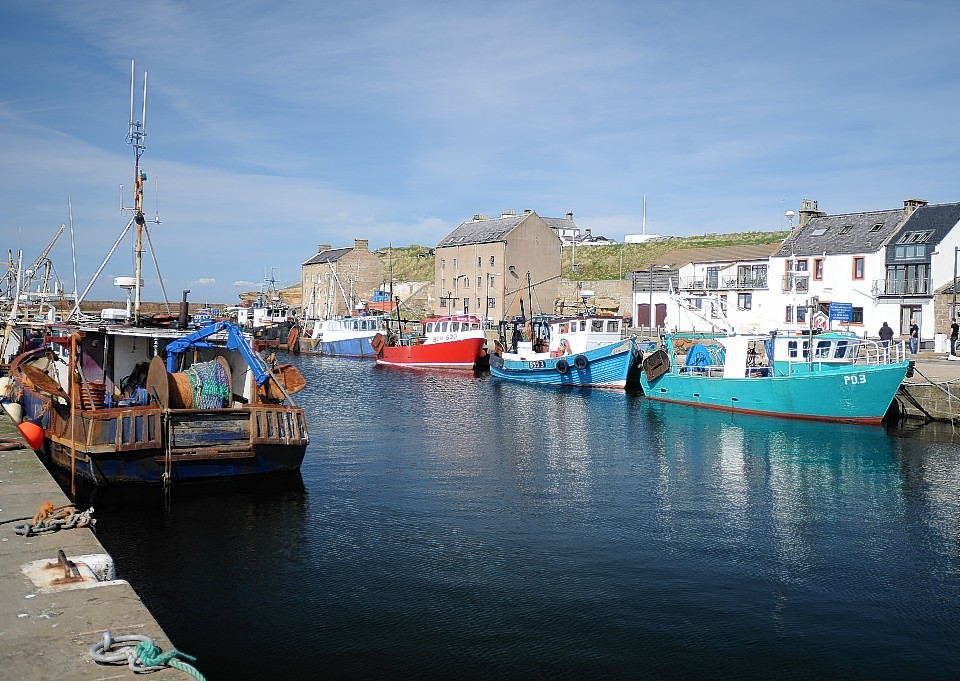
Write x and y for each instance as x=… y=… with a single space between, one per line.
x=954 y=331
x=914 y=338
x=886 y=334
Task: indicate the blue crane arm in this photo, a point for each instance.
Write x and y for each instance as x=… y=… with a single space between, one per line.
x=235 y=341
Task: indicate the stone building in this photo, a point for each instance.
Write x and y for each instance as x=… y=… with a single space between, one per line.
x=487 y=266
x=336 y=281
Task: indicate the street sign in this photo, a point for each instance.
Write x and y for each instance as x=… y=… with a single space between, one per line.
x=842 y=312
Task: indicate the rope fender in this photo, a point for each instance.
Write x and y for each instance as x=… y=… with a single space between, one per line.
x=141 y=654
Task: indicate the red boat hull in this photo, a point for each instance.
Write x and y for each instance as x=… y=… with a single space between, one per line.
x=458 y=354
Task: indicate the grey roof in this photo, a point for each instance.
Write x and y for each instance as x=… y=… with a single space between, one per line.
x=332 y=255
x=557 y=224
x=848 y=233
x=939 y=219
x=483 y=231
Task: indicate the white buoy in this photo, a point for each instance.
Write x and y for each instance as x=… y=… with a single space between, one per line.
x=14 y=411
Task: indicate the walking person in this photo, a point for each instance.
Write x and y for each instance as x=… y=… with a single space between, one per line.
x=954 y=331
x=886 y=334
x=914 y=338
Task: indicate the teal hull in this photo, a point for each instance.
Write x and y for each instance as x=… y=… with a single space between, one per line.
x=853 y=394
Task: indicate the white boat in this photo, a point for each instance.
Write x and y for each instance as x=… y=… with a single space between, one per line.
x=342 y=336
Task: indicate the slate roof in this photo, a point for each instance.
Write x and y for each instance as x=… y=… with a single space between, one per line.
x=483 y=231
x=939 y=219
x=844 y=234
x=332 y=255
x=685 y=256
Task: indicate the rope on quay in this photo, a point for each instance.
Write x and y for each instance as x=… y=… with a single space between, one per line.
x=52 y=518
x=141 y=655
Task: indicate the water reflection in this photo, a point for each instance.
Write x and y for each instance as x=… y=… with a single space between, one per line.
x=452 y=525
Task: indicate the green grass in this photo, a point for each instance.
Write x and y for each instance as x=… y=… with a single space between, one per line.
x=415 y=263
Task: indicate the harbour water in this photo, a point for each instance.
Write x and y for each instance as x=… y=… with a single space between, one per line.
x=446 y=525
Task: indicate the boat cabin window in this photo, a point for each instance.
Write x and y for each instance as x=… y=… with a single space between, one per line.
x=583 y=324
x=823 y=349
x=429 y=327
x=840 y=351
x=792 y=349
x=596 y=325
x=564 y=328
x=612 y=326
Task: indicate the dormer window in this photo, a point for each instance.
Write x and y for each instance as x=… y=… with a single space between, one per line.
x=915 y=237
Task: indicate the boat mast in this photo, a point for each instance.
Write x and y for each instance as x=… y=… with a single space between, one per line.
x=136 y=136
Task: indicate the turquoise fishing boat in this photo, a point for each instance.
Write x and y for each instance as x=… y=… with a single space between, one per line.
x=584 y=350
x=833 y=376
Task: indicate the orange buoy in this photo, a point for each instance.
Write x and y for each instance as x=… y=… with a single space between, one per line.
x=32 y=433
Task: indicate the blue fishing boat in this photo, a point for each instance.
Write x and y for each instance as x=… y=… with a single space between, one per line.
x=583 y=350
x=342 y=336
x=833 y=376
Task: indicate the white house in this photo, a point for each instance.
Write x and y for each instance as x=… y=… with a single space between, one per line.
x=851 y=271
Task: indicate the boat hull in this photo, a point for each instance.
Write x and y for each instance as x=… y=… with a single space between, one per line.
x=142 y=444
x=347 y=347
x=605 y=367
x=857 y=395
x=458 y=354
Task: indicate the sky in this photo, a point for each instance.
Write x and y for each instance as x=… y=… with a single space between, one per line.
x=273 y=127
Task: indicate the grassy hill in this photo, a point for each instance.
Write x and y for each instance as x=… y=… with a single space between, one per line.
x=415 y=263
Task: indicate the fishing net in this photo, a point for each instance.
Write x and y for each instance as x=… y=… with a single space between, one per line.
x=210 y=385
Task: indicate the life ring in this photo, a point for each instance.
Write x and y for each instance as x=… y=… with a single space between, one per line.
x=562 y=366
x=580 y=362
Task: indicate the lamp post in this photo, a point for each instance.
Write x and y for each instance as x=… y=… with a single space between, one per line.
x=456 y=288
x=486 y=296
x=650 y=310
x=953 y=310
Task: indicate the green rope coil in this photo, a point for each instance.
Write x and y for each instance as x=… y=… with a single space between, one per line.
x=150 y=655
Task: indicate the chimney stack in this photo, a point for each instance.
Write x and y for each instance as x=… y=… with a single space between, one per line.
x=910 y=205
x=808 y=211
x=361 y=245
x=323 y=247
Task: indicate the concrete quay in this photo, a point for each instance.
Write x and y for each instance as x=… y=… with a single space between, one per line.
x=46 y=631
x=933 y=392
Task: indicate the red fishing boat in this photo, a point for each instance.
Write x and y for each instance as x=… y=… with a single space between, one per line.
x=453 y=342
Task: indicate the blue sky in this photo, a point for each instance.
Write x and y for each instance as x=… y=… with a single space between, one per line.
x=276 y=126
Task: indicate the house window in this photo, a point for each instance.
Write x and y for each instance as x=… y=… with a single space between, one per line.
x=443 y=302
x=479 y=261
x=466 y=282
x=818 y=268
x=491 y=259
x=744 y=301
x=857 y=315
x=845 y=229
x=819 y=231
x=801 y=314
x=443 y=263
x=877 y=227
x=491 y=303
x=858 y=267
x=454 y=263
x=788 y=317
x=801 y=266
x=479 y=284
